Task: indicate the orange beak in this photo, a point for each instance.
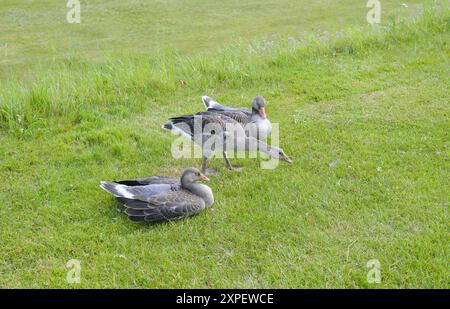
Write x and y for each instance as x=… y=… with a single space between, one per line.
x=204 y=178
x=262 y=112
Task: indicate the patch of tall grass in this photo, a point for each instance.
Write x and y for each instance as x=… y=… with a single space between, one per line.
x=72 y=90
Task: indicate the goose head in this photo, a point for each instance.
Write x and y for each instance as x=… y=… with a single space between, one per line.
x=192 y=175
x=278 y=153
x=259 y=106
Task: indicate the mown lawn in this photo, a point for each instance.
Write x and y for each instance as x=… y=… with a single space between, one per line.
x=364 y=116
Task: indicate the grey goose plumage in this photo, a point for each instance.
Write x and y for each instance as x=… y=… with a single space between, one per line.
x=208 y=129
x=258 y=125
x=160 y=198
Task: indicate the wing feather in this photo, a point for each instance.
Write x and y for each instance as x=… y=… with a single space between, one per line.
x=170 y=206
x=155 y=180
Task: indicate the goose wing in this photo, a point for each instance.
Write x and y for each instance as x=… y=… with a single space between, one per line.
x=120 y=190
x=210 y=105
x=242 y=116
x=148 y=181
x=202 y=123
x=169 y=206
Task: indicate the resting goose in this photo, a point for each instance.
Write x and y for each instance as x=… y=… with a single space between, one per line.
x=212 y=132
x=260 y=127
x=158 y=198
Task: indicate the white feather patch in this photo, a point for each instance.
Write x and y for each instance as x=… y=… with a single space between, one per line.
x=177 y=129
x=122 y=190
x=211 y=103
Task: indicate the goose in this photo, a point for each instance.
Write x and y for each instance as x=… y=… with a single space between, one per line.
x=161 y=198
x=260 y=127
x=218 y=132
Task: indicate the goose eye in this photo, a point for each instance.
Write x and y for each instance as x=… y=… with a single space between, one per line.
x=198 y=174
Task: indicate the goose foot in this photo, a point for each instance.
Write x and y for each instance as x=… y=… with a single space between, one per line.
x=210 y=171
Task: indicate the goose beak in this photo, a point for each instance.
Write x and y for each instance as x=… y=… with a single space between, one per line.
x=285 y=158
x=262 y=112
x=203 y=177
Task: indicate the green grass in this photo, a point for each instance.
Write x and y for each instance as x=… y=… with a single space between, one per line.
x=39 y=28
x=364 y=115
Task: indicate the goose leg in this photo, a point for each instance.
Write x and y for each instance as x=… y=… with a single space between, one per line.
x=204 y=164
x=227 y=162
x=207 y=170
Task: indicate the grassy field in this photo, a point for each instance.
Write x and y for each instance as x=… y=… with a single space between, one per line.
x=37 y=31
x=363 y=112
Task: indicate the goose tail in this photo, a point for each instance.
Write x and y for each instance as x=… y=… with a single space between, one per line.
x=207 y=101
x=168 y=126
x=210 y=103
x=178 y=127
x=116 y=189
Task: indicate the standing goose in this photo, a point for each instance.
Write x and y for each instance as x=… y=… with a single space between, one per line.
x=217 y=132
x=158 y=198
x=258 y=126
